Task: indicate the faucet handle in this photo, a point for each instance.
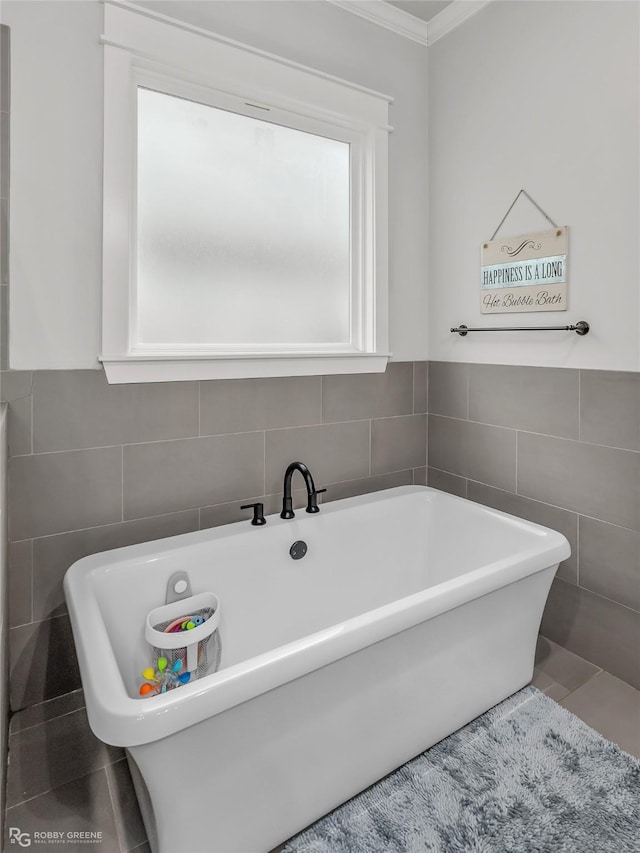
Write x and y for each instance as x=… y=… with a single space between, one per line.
x=258 y=513
x=312 y=504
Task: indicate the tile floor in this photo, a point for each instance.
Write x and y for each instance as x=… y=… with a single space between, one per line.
x=61 y=778
x=607 y=704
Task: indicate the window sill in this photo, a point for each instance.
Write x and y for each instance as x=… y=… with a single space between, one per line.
x=154 y=368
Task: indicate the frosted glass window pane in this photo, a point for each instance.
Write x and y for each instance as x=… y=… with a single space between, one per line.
x=243 y=231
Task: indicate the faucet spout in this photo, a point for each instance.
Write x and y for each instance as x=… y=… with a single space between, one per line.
x=312 y=492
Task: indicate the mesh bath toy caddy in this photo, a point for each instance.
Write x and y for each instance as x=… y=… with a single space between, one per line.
x=186 y=629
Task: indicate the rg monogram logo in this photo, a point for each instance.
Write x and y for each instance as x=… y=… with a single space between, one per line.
x=22 y=838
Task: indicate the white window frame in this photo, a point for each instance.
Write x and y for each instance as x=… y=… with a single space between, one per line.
x=147 y=49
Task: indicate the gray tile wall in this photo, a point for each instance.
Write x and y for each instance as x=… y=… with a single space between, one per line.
x=94 y=467
x=560 y=447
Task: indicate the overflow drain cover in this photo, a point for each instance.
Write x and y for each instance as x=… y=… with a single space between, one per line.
x=298 y=549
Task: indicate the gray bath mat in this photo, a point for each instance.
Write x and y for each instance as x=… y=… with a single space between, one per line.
x=525 y=776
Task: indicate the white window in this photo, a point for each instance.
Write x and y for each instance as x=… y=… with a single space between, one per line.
x=245 y=219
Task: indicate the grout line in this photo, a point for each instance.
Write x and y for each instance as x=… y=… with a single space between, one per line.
x=517 y=433
x=598 y=595
x=115 y=761
x=426 y=447
x=64 y=615
x=122 y=484
x=580 y=686
x=32 y=574
x=31 y=425
x=49 y=719
x=30 y=799
x=584 y=660
x=584 y=684
x=413 y=390
x=482 y=423
x=578 y=552
x=543 y=503
x=468 y=383
x=572 y=511
x=428 y=370
x=222 y=434
x=427 y=383
x=450 y=473
x=111 y=524
x=593 y=675
x=579 y=405
x=113 y=812
x=533 y=432
x=57 y=787
x=370 y=448
x=264 y=462
x=25 y=624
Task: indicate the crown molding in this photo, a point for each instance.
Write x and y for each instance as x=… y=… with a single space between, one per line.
x=404 y=24
x=391 y=18
x=452 y=16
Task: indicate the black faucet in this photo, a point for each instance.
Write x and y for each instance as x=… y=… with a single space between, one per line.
x=312 y=492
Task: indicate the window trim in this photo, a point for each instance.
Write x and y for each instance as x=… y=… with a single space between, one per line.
x=147 y=49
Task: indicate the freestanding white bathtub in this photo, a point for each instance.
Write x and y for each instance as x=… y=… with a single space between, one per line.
x=412 y=613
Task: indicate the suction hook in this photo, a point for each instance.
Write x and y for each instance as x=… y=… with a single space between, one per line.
x=178 y=587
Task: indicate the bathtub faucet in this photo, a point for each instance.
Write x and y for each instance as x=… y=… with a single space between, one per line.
x=312 y=492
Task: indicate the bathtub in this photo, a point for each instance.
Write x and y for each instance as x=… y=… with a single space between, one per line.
x=412 y=613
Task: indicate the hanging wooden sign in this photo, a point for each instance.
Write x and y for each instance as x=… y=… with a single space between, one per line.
x=525 y=273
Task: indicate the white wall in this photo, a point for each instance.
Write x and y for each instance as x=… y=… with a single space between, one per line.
x=542 y=96
x=56 y=184
x=56 y=170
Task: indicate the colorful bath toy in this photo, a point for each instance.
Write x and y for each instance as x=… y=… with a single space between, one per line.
x=184 y=623
x=174 y=626
x=163 y=677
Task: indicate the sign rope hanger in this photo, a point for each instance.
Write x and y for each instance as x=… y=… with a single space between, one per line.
x=512 y=205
